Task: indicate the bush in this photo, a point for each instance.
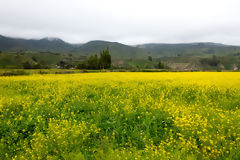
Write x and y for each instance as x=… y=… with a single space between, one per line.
x=27 y=65
x=14 y=73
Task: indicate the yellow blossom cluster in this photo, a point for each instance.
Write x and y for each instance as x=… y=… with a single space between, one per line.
x=192 y=115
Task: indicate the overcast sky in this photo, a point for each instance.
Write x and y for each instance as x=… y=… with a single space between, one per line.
x=125 y=21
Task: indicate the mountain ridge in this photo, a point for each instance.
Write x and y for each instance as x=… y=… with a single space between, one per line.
x=118 y=50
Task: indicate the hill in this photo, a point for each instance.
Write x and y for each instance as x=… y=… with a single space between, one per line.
x=48 y=52
x=117 y=50
x=41 y=45
x=189 y=49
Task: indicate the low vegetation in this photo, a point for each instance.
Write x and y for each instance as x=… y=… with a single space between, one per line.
x=120 y=116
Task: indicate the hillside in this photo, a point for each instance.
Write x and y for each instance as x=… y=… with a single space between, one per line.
x=48 y=52
x=189 y=49
x=43 y=59
x=41 y=45
x=117 y=50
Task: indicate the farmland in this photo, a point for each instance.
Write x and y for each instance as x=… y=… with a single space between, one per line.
x=192 y=115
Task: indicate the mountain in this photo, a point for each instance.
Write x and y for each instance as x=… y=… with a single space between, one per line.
x=44 y=44
x=117 y=50
x=48 y=52
x=48 y=44
x=189 y=49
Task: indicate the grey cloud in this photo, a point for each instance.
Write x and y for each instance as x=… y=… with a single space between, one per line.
x=131 y=22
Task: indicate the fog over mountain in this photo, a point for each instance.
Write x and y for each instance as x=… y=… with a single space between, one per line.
x=129 y=22
x=118 y=50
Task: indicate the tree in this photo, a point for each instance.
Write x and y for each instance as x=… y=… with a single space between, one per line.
x=93 y=62
x=62 y=64
x=105 y=59
x=82 y=65
x=160 y=65
x=149 y=58
x=213 y=61
x=34 y=58
x=27 y=65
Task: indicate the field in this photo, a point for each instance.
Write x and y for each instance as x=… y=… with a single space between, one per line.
x=120 y=116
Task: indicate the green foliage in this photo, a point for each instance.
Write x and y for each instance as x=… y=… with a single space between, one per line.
x=160 y=65
x=105 y=59
x=14 y=73
x=37 y=60
x=27 y=65
x=93 y=62
x=213 y=61
x=82 y=65
x=34 y=58
x=65 y=65
x=150 y=58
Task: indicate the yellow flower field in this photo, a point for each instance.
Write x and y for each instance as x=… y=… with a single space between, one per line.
x=193 y=115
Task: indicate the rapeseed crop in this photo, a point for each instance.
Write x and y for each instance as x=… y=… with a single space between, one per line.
x=120 y=116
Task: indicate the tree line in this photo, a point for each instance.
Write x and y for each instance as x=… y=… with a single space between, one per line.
x=101 y=61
